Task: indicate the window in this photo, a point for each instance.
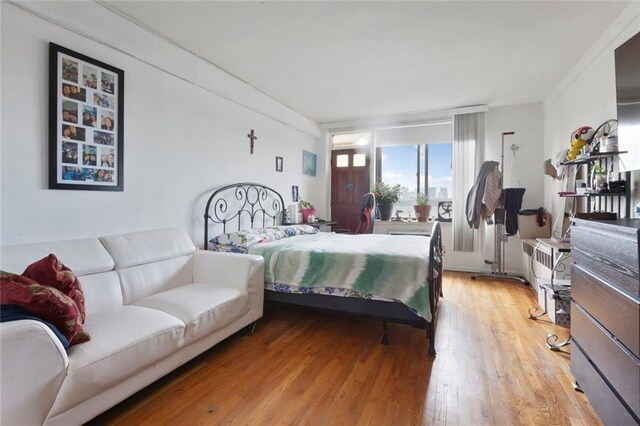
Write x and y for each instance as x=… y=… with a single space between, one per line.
x=342 y=160
x=359 y=160
x=422 y=168
x=350 y=140
x=416 y=156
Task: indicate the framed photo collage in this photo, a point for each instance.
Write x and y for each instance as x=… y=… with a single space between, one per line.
x=86 y=144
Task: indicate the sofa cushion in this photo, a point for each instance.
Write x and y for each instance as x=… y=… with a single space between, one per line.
x=144 y=280
x=50 y=271
x=124 y=341
x=203 y=307
x=137 y=248
x=101 y=291
x=45 y=302
x=87 y=256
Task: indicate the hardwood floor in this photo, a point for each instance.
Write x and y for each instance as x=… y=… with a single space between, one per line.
x=313 y=368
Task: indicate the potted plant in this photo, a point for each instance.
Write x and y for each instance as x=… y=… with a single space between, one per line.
x=307 y=210
x=386 y=196
x=599 y=179
x=422 y=207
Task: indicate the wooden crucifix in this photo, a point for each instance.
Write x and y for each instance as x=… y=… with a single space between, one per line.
x=253 y=138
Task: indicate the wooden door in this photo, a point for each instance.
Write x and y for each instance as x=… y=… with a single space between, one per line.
x=349 y=182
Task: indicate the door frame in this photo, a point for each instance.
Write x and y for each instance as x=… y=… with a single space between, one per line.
x=369 y=163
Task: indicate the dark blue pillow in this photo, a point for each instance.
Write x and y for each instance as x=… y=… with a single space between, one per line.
x=15 y=313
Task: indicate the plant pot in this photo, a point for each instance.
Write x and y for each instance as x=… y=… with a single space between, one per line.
x=599 y=183
x=422 y=212
x=306 y=213
x=385 y=211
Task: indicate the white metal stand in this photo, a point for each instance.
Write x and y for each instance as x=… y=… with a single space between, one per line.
x=500 y=239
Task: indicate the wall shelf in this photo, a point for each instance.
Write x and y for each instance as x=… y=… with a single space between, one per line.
x=604 y=201
x=595 y=194
x=592 y=157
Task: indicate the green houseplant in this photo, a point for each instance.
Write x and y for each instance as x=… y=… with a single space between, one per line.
x=422 y=207
x=306 y=204
x=386 y=196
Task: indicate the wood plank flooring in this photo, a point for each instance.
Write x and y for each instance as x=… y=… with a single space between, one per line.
x=310 y=368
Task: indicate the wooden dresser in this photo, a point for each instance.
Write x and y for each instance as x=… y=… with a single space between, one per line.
x=605 y=317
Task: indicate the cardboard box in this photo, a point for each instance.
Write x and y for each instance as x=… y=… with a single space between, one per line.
x=528 y=227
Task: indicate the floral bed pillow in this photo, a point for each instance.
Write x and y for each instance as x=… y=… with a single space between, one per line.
x=242 y=241
x=293 y=230
x=226 y=248
x=248 y=238
x=45 y=302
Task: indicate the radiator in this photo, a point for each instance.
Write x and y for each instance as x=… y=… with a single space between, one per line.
x=537 y=264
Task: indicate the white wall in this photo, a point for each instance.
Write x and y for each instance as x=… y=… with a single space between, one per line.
x=586 y=95
x=185 y=130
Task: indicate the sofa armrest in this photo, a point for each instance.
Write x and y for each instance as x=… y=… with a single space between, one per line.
x=33 y=365
x=242 y=271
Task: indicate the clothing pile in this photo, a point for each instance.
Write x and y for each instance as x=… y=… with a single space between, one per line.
x=487 y=198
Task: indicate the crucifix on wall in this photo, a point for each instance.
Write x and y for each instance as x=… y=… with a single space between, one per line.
x=252 y=138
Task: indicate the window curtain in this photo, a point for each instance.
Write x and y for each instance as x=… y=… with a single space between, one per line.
x=468 y=155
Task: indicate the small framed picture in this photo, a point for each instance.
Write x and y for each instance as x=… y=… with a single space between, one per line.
x=279 y=164
x=86 y=122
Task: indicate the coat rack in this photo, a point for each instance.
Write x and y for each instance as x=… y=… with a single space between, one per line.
x=500 y=237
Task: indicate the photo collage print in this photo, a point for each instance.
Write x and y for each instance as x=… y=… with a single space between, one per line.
x=87 y=123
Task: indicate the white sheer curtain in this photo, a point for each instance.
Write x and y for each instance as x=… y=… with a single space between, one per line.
x=468 y=155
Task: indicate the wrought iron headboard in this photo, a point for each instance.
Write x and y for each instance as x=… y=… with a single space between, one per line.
x=246 y=200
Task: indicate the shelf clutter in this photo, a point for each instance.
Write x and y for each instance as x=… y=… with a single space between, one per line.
x=603 y=191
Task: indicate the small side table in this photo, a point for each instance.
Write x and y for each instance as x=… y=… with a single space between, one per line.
x=320 y=223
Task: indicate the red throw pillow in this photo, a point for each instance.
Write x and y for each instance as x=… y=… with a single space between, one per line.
x=45 y=302
x=50 y=271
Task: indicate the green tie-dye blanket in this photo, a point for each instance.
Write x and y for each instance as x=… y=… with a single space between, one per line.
x=390 y=266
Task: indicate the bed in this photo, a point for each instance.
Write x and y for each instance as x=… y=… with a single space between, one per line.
x=390 y=278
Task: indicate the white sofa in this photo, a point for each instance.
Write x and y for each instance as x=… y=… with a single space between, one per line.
x=153 y=303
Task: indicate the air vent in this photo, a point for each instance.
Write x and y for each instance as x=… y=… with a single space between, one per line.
x=527 y=248
x=544 y=259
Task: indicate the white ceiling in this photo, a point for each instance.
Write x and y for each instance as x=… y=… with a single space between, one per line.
x=337 y=61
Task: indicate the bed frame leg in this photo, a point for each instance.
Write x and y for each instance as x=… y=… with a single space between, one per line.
x=385 y=339
x=432 y=338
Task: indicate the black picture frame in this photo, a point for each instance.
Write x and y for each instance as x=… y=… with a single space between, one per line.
x=279 y=164
x=86 y=122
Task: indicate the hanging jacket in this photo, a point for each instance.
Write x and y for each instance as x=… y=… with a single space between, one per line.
x=492 y=192
x=476 y=194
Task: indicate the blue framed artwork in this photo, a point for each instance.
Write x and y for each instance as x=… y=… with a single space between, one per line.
x=309 y=163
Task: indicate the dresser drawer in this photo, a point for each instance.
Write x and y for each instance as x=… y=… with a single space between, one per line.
x=616 y=311
x=608 y=252
x=606 y=403
x=617 y=364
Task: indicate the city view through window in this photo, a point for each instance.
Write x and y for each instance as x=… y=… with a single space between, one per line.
x=400 y=166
